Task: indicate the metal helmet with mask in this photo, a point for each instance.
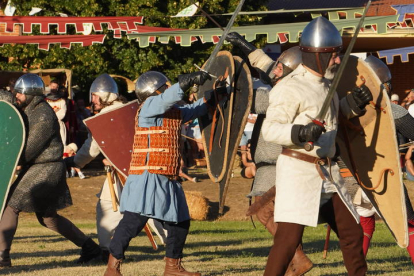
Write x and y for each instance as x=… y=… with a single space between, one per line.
x=149 y=83
x=319 y=40
x=290 y=60
x=382 y=71
x=105 y=87
x=30 y=84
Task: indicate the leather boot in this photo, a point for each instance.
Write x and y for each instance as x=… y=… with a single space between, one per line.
x=114 y=267
x=174 y=267
x=5 y=260
x=90 y=251
x=300 y=263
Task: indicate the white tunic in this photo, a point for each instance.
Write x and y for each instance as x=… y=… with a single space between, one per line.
x=296 y=99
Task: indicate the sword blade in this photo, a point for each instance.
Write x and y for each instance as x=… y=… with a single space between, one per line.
x=223 y=36
x=332 y=90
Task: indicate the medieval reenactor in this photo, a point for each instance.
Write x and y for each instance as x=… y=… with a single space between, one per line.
x=308 y=183
x=104 y=98
x=152 y=189
x=264 y=153
x=41 y=184
x=56 y=100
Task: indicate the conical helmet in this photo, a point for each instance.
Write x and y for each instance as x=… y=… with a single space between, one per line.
x=320 y=36
x=148 y=83
x=105 y=87
x=380 y=68
x=291 y=58
x=30 y=84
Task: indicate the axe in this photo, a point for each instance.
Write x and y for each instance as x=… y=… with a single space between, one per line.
x=108 y=170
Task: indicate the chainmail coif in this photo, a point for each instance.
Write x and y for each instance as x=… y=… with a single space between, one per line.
x=41 y=185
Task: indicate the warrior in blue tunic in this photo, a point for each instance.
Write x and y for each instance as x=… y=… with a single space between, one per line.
x=152 y=189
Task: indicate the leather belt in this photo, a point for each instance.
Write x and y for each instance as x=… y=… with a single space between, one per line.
x=173 y=177
x=304 y=157
x=311 y=159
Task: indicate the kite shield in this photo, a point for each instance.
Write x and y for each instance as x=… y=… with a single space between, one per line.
x=114 y=133
x=12 y=137
x=369 y=148
x=221 y=144
x=216 y=124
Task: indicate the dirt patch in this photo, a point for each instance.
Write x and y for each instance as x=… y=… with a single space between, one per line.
x=84 y=194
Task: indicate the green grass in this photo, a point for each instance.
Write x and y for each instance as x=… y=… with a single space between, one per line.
x=213 y=248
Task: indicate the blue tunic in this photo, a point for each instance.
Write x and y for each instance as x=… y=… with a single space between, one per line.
x=154 y=195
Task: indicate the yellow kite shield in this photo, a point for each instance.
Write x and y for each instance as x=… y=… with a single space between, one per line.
x=369 y=148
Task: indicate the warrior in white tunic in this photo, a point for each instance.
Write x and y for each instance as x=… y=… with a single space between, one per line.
x=308 y=183
x=265 y=154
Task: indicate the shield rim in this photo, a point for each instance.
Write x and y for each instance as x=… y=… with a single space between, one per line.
x=239 y=136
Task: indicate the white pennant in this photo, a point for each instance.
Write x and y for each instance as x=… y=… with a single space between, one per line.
x=189 y=11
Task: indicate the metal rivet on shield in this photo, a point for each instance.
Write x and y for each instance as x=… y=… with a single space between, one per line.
x=103 y=142
x=112 y=119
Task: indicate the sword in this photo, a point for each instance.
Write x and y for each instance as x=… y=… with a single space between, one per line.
x=319 y=120
x=223 y=36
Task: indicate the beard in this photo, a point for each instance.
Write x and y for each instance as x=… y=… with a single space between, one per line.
x=331 y=71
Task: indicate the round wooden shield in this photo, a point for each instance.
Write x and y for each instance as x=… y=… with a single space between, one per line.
x=369 y=148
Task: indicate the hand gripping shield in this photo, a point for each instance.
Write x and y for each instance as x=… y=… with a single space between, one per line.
x=12 y=137
x=369 y=148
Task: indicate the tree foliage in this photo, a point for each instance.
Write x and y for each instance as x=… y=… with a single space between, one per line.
x=123 y=56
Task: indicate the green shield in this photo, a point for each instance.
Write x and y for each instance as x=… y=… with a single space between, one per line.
x=12 y=136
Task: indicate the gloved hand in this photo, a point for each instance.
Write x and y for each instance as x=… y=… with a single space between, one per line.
x=188 y=80
x=310 y=133
x=221 y=89
x=237 y=40
x=362 y=96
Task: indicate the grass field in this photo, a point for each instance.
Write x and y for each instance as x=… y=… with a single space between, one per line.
x=213 y=248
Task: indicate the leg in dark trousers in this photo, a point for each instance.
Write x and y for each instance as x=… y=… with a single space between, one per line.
x=349 y=233
x=129 y=227
x=177 y=234
x=8 y=227
x=63 y=226
x=287 y=238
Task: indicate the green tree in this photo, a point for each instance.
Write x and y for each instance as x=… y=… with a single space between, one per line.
x=123 y=56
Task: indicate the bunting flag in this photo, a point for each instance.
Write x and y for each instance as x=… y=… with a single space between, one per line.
x=113 y=22
x=282 y=33
x=44 y=41
x=402 y=52
x=402 y=10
